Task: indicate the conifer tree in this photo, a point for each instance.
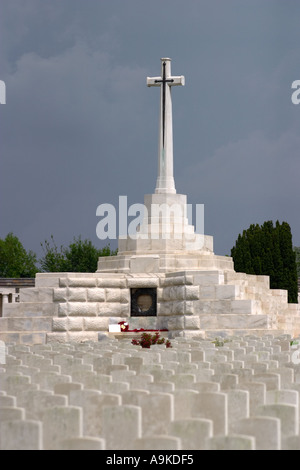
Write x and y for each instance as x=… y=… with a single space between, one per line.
x=268 y=250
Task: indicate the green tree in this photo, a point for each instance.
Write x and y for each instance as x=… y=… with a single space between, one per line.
x=15 y=261
x=268 y=250
x=54 y=259
x=297 y=253
x=79 y=256
x=289 y=278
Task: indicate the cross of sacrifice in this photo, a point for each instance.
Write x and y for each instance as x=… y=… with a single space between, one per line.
x=165 y=181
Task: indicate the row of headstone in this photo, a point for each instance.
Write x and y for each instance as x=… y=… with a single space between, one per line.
x=199 y=394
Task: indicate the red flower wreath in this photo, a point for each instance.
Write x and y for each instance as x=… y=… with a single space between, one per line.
x=124 y=326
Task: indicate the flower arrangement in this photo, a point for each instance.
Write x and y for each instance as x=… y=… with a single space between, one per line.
x=124 y=326
x=147 y=340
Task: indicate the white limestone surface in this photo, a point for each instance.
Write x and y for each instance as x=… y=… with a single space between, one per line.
x=198 y=395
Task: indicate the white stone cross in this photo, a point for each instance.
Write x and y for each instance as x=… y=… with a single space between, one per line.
x=165 y=182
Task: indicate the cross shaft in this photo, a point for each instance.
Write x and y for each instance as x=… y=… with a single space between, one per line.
x=165 y=181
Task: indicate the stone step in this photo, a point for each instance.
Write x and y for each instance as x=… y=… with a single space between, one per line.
x=30 y=309
x=35 y=294
x=236 y=306
x=227 y=332
x=37 y=337
x=14 y=324
x=233 y=321
x=232 y=277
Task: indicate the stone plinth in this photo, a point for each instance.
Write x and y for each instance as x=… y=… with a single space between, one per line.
x=78 y=307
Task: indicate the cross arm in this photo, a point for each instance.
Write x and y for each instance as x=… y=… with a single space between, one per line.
x=178 y=81
x=171 y=81
x=153 y=81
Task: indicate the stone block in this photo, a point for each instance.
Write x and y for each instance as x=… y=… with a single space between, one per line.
x=115 y=387
x=157 y=443
x=113 y=295
x=82 y=282
x=60 y=295
x=46 y=280
x=7 y=401
x=233 y=321
x=183 y=381
x=171 y=280
x=63 y=310
x=77 y=294
x=176 y=323
x=93 y=403
x=15 y=384
x=82 y=336
x=121 y=426
x=67 y=324
x=243 y=307
x=66 y=388
x=57 y=337
x=204 y=375
x=291 y=443
x=63 y=282
x=139 y=282
x=95 y=295
x=206 y=387
x=212 y=406
x=272 y=381
x=287 y=397
x=144 y=264
x=189 y=307
x=207 y=292
x=228 y=292
x=134 y=396
x=163 y=387
x=172 y=308
x=21 y=435
x=208 y=278
x=183 y=404
x=125 y=296
x=231 y=442
x=238 y=406
x=44 y=294
x=192 y=292
x=96 y=324
x=265 y=430
x=38 y=401
x=286 y=375
x=10 y=413
x=110 y=309
x=288 y=415
x=191 y=322
x=48 y=380
x=111 y=282
x=157 y=413
x=193 y=432
x=59 y=423
x=140 y=382
x=82 y=443
x=88 y=309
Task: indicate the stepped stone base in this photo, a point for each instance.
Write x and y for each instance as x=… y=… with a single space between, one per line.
x=77 y=307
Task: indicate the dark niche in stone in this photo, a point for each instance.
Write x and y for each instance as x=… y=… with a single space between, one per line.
x=143 y=302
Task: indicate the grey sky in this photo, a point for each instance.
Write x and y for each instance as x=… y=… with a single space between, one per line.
x=80 y=126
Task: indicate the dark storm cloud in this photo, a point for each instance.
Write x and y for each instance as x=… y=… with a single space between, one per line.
x=80 y=126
